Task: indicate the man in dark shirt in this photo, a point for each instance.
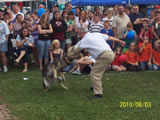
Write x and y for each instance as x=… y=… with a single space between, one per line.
x=136 y=18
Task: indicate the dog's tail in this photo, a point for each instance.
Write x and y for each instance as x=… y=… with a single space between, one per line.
x=63 y=86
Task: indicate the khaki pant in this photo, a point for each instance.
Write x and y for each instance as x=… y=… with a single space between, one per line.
x=99 y=68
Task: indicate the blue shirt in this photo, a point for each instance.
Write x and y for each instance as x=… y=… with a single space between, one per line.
x=109 y=32
x=30 y=40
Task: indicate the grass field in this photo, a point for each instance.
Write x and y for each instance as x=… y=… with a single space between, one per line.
x=28 y=101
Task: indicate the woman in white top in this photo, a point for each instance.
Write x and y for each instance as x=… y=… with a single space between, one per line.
x=82 y=21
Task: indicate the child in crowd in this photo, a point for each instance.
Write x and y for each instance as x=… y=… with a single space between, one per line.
x=129 y=36
x=69 y=28
x=35 y=34
x=108 y=31
x=116 y=64
x=145 y=32
x=145 y=50
x=156 y=55
x=74 y=31
x=96 y=26
x=132 y=57
x=55 y=51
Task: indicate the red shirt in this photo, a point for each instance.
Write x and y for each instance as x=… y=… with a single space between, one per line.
x=145 y=54
x=156 y=56
x=116 y=60
x=148 y=34
x=131 y=56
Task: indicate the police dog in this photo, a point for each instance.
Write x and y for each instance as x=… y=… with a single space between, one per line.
x=53 y=72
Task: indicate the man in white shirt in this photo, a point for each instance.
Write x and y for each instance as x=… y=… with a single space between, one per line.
x=16 y=11
x=96 y=45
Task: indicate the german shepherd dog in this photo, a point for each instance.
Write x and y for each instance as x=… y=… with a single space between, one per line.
x=53 y=72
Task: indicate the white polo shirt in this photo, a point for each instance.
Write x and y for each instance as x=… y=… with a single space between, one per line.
x=95 y=43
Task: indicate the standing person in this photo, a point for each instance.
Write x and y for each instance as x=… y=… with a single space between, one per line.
x=145 y=50
x=108 y=31
x=35 y=34
x=4 y=32
x=151 y=17
x=132 y=57
x=54 y=8
x=10 y=26
x=128 y=10
x=69 y=28
x=16 y=11
x=98 y=12
x=136 y=18
x=120 y=22
x=45 y=29
x=109 y=16
x=82 y=21
x=11 y=18
x=96 y=26
x=90 y=17
x=1 y=14
x=96 y=45
x=71 y=16
x=25 y=44
x=129 y=36
x=156 y=26
x=145 y=32
x=17 y=26
x=59 y=28
x=78 y=11
x=69 y=7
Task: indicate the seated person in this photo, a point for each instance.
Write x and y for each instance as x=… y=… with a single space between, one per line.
x=85 y=63
x=132 y=57
x=156 y=55
x=116 y=64
x=25 y=44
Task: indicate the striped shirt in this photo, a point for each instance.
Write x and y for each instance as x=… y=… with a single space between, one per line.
x=96 y=27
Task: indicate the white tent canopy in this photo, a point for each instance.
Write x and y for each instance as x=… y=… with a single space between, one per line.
x=16 y=0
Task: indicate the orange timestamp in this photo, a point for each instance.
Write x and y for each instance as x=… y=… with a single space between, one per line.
x=136 y=104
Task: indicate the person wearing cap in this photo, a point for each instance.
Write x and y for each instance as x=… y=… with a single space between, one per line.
x=96 y=45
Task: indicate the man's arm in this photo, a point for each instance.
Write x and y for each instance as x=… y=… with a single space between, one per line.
x=114 y=39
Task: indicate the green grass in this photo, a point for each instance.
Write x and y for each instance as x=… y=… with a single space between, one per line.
x=28 y=101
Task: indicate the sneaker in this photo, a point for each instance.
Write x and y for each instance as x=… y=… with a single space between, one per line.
x=79 y=73
x=76 y=72
x=5 y=69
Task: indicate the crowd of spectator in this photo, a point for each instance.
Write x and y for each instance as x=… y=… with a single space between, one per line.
x=48 y=37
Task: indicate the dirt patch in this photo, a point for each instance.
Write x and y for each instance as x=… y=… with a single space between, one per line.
x=4 y=113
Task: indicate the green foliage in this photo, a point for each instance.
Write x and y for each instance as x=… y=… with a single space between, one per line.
x=28 y=101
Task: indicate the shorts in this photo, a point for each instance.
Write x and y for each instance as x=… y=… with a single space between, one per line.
x=4 y=47
x=36 y=43
x=68 y=41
